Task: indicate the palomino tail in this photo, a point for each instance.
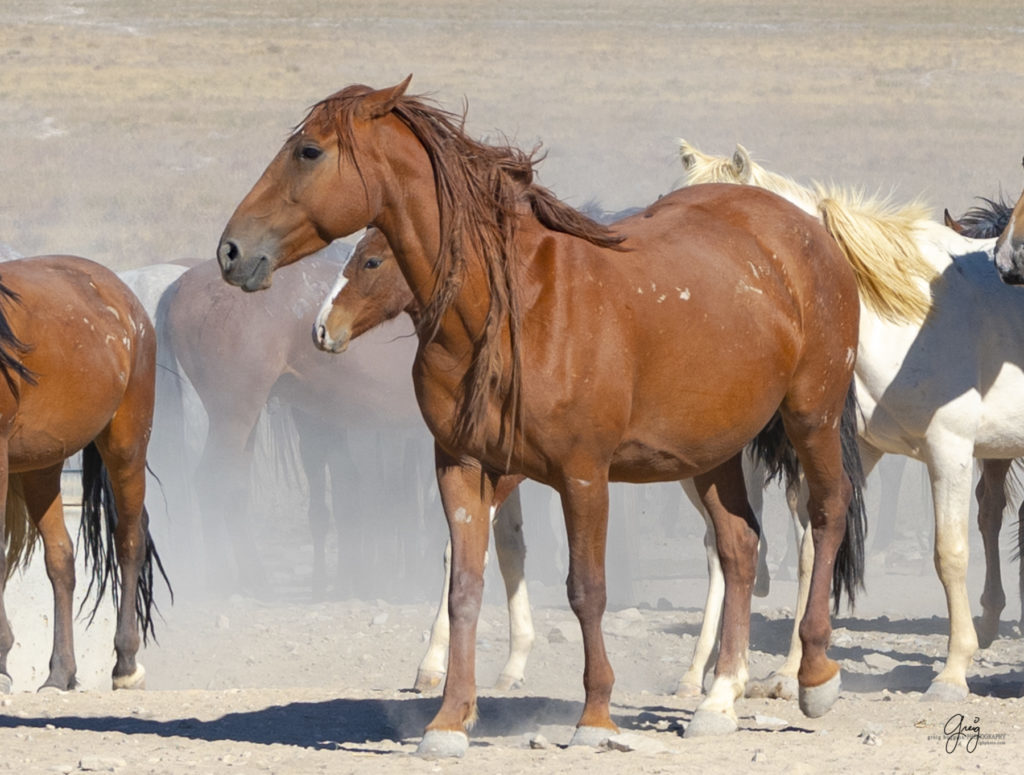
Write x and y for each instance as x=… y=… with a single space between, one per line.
x=96 y=533
x=773 y=448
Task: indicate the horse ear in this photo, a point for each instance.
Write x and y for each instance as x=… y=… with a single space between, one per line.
x=381 y=102
x=687 y=154
x=951 y=222
x=741 y=162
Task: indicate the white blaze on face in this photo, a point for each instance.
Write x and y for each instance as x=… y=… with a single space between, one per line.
x=325 y=308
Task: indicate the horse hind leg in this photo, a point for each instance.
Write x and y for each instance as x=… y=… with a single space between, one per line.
x=818 y=441
x=991 y=495
x=41 y=491
x=723 y=493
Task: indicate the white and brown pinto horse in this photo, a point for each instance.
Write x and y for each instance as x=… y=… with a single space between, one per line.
x=554 y=348
x=939 y=374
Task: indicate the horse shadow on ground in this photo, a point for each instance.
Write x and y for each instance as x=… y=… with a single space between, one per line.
x=915 y=669
x=334 y=723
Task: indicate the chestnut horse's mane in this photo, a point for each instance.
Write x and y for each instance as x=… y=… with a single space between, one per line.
x=482 y=192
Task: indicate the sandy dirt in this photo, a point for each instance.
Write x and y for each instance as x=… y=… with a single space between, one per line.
x=130 y=129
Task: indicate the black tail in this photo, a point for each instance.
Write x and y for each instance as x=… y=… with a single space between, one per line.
x=848 y=573
x=11 y=347
x=96 y=533
x=773 y=448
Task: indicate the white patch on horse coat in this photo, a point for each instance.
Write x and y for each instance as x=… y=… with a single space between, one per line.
x=684 y=293
x=743 y=286
x=463 y=516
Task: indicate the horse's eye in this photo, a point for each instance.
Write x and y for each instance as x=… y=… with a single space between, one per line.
x=372 y=263
x=310 y=152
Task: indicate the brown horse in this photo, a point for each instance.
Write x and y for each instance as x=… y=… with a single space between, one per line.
x=554 y=348
x=77 y=354
x=1009 y=251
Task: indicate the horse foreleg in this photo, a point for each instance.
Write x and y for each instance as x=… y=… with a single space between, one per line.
x=950 y=471
x=467 y=493
x=585 y=508
x=723 y=493
x=511 y=550
x=991 y=494
x=42 y=497
x=692 y=682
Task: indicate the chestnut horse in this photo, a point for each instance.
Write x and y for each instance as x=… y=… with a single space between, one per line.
x=77 y=354
x=369 y=290
x=1009 y=250
x=554 y=348
x=938 y=375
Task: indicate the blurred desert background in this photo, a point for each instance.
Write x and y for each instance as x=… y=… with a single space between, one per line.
x=130 y=129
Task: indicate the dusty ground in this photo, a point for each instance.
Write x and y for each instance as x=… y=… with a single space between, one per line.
x=130 y=130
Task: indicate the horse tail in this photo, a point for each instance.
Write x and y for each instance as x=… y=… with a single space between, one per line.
x=776 y=453
x=20 y=532
x=879 y=241
x=96 y=533
x=848 y=573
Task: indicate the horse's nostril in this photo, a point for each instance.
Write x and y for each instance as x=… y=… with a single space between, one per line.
x=228 y=253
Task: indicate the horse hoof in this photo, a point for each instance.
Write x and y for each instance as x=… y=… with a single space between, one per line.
x=443 y=744
x=426 y=680
x=136 y=680
x=777 y=687
x=710 y=722
x=6 y=684
x=940 y=691
x=815 y=701
x=592 y=737
x=506 y=683
x=48 y=689
x=686 y=689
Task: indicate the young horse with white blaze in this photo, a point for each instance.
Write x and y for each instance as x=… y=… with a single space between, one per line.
x=554 y=348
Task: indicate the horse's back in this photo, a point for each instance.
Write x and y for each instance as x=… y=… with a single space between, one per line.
x=89 y=343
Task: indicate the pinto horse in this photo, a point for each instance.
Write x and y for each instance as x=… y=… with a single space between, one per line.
x=555 y=348
x=369 y=290
x=938 y=331
x=77 y=354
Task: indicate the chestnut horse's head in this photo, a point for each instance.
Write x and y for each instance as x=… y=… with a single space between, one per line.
x=1009 y=250
x=370 y=290
x=295 y=208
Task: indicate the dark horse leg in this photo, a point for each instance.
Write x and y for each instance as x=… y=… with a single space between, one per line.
x=467 y=493
x=46 y=509
x=123 y=450
x=819 y=448
x=312 y=453
x=723 y=493
x=991 y=494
